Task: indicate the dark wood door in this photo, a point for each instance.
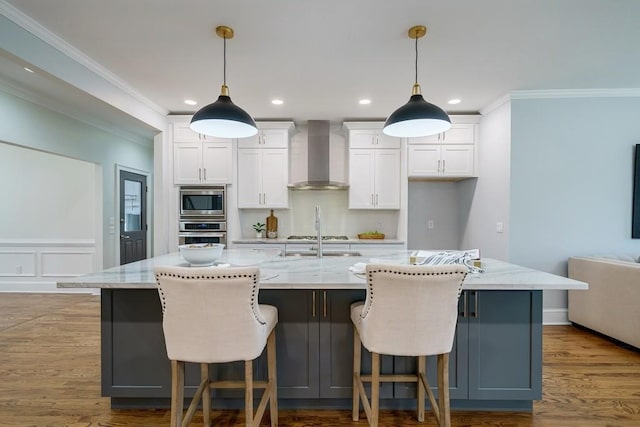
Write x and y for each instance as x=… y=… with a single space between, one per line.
x=133 y=217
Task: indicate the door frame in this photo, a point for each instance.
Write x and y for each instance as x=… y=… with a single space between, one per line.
x=116 y=213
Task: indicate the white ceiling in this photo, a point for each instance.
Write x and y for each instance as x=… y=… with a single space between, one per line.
x=321 y=57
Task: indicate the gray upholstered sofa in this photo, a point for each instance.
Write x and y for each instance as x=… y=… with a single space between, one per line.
x=611 y=306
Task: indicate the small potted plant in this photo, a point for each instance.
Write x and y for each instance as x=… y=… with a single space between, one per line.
x=259 y=227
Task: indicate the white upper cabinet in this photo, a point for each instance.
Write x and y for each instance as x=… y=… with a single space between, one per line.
x=183 y=133
x=263 y=167
x=374 y=167
x=203 y=162
x=266 y=138
x=371 y=138
x=459 y=133
x=449 y=155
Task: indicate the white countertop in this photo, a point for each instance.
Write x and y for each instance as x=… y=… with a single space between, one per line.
x=351 y=240
x=325 y=273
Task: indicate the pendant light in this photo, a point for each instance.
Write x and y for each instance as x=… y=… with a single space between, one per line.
x=417 y=117
x=223 y=118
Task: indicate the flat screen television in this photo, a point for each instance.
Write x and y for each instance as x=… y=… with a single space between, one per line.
x=635 y=225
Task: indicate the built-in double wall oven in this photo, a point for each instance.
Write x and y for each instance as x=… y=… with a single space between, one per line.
x=202 y=215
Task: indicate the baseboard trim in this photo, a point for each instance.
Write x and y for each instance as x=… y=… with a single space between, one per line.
x=555 y=316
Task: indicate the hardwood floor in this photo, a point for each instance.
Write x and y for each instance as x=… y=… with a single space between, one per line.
x=50 y=376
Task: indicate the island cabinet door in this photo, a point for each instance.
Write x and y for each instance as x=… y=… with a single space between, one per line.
x=297 y=350
x=134 y=357
x=505 y=345
x=336 y=346
x=458 y=364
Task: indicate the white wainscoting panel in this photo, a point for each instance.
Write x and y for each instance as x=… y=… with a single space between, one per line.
x=66 y=264
x=18 y=263
x=33 y=265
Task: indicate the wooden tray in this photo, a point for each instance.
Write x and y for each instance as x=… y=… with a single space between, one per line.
x=371 y=236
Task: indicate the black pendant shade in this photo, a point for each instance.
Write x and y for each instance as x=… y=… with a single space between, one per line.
x=223 y=119
x=417 y=118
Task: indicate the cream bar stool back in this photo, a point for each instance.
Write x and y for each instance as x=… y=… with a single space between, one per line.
x=408 y=311
x=212 y=315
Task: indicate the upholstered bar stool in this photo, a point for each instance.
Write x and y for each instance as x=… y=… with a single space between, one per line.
x=408 y=311
x=212 y=315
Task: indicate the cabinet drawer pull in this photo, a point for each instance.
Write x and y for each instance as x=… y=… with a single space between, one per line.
x=474 y=313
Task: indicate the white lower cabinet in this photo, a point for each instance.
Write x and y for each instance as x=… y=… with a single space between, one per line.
x=263 y=175
x=374 y=179
x=203 y=162
x=441 y=161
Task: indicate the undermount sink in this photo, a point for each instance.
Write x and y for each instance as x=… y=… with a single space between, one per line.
x=324 y=253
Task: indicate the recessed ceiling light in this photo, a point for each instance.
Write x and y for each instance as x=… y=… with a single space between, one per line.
x=277 y=101
x=28 y=69
x=365 y=101
x=455 y=101
x=190 y=102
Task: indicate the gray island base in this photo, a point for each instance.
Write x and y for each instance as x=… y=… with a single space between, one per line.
x=496 y=362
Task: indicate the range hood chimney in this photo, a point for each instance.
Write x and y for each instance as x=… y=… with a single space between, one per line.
x=318 y=160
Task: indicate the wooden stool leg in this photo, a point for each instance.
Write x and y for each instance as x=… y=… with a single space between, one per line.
x=177 y=392
x=271 y=369
x=375 y=389
x=443 y=390
x=248 y=392
x=422 y=370
x=357 y=352
x=206 y=395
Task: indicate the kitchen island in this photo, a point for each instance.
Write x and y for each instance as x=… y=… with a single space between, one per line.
x=496 y=362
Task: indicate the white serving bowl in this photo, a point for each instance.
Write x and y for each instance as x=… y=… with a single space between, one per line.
x=201 y=254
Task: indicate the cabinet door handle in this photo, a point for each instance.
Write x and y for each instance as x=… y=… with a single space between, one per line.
x=464 y=304
x=313 y=305
x=205 y=174
x=324 y=304
x=199 y=174
x=264 y=198
x=438 y=165
x=474 y=313
x=376 y=199
x=444 y=136
x=443 y=165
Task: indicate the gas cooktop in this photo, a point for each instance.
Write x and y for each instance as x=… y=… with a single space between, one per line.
x=315 y=238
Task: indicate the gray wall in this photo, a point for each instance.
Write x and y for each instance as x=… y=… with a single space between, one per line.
x=26 y=124
x=571 y=181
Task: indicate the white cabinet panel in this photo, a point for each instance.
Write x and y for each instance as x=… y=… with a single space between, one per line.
x=374 y=179
x=361 y=179
x=441 y=161
x=202 y=162
x=263 y=175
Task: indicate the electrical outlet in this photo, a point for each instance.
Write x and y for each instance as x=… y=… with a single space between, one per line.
x=499 y=227
x=430 y=224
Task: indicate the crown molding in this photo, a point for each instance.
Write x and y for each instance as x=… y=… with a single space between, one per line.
x=75 y=114
x=575 y=93
x=33 y=27
x=495 y=104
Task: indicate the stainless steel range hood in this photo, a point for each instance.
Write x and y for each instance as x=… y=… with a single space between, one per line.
x=318 y=160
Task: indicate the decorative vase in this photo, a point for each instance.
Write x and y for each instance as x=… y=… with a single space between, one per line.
x=258 y=234
x=272 y=226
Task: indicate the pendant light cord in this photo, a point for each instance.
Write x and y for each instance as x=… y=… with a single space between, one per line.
x=224 y=66
x=416 y=82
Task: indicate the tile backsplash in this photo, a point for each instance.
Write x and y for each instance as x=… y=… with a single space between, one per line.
x=337 y=219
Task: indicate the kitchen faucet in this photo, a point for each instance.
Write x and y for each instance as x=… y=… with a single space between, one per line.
x=319 y=232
